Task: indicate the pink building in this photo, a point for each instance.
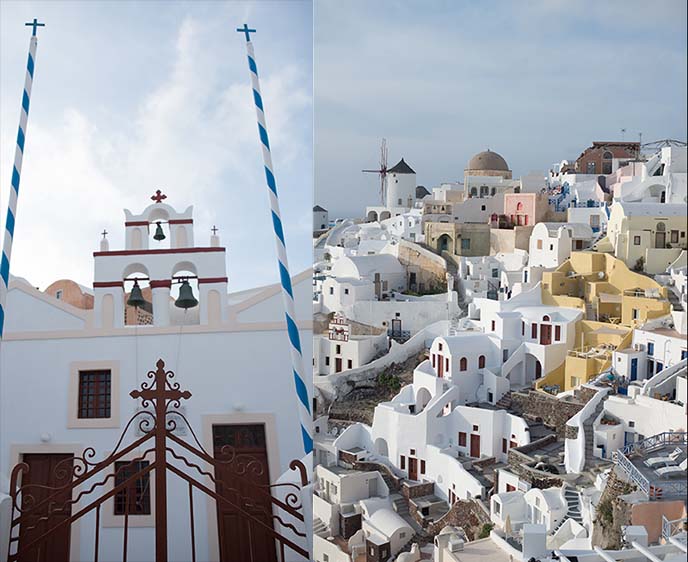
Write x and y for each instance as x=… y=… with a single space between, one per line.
x=524 y=209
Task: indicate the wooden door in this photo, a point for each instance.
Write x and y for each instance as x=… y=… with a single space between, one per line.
x=475 y=445
x=413 y=468
x=44 y=471
x=241 y=538
x=545 y=334
x=337 y=364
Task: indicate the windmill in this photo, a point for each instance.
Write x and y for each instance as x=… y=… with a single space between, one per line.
x=383 y=169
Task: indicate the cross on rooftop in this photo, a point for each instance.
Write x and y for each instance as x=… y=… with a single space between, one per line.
x=246 y=31
x=214 y=230
x=34 y=24
x=159 y=196
x=104 y=233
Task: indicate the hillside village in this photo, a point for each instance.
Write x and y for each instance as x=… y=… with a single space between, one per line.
x=500 y=364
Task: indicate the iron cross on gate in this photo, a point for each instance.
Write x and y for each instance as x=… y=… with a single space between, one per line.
x=246 y=31
x=158 y=393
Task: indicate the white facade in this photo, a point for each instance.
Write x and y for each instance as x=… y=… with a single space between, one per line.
x=551 y=243
x=332 y=356
x=219 y=356
x=321 y=220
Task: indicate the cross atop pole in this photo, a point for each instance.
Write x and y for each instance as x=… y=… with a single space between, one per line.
x=104 y=233
x=245 y=30
x=34 y=24
x=214 y=230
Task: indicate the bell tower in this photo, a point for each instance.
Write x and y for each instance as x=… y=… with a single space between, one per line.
x=198 y=274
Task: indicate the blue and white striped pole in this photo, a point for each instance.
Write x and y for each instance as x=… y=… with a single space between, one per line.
x=303 y=400
x=16 y=175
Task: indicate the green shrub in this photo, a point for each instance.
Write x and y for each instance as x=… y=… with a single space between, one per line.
x=485 y=530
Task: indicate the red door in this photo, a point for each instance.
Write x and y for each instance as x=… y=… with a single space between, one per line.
x=44 y=471
x=545 y=334
x=440 y=366
x=242 y=538
x=475 y=445
x=413 y=468
x=337 y=364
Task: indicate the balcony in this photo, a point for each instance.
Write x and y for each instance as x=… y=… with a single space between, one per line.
x=631 y=461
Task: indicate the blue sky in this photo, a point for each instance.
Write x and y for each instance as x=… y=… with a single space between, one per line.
x=536 y=81
x=130 y=97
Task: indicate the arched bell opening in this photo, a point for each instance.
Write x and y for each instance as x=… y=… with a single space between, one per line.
x=138 y=296
x=184 y=297
x=159 y=232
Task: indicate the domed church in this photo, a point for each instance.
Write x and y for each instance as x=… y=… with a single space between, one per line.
x=487 y=163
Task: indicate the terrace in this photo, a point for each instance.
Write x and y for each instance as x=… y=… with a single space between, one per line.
x=634 y=463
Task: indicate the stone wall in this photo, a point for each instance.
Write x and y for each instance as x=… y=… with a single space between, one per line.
x=466 y=514
x=430 y=270
x=349 y=524
x=411 y=491
x=553 y=412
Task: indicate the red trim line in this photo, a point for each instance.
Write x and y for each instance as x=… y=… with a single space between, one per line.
x=160 y=283
x=160 y=251
x=136 y=223
x=105 y=284
x=180 y=221
x=213 y=280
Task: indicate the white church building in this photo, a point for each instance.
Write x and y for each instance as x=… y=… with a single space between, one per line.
x=66 y=374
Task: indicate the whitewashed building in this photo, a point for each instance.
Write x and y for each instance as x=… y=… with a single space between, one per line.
x=67 y=374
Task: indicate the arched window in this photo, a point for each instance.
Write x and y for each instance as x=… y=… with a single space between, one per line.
x=474 y=191
x=661 y=227
x=607 y=155
x=481 y=362
x=545 y=318
x=463 y=364
x=519 y=206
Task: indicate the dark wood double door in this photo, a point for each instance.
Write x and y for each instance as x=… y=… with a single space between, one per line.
x=244 y=482
x=47 y=472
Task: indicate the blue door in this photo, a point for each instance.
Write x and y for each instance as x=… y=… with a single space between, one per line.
x=634 y=368
x=660 y=366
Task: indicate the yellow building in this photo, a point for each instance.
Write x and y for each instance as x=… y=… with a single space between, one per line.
x=646 y=236
x=614 y=299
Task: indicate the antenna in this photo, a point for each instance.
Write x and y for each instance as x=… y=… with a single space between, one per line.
x=383 y=169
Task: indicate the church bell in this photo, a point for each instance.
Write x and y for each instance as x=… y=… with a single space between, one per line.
x=136 y=296
x=186 y=298
x=159 y=234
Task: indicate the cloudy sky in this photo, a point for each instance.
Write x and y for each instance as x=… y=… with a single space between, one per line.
x=129 y=97
x=536 y=81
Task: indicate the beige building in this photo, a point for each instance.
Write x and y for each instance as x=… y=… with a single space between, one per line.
x=646 y=236
x=459 y=239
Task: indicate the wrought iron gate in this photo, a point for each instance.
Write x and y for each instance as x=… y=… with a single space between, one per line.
x=165 y=452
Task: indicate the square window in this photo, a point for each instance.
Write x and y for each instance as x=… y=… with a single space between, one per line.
x=346 y=291
x=557 y=333
x=465 y=243
x=136 y=499
x=349 y=364
x=533 y=331
x=674 y=236
x=94 y=394
x=422 y=467
x=338 y=349
x=332 y=290
x=462 y=439
x=482 y=207
x=58 y=295
x=413 y=451
x=650 y=348
x=539 y=244
x=327 y=360
x=636 y=240
x=475 y=428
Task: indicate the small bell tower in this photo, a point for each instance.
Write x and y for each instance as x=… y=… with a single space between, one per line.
x=199 y=272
